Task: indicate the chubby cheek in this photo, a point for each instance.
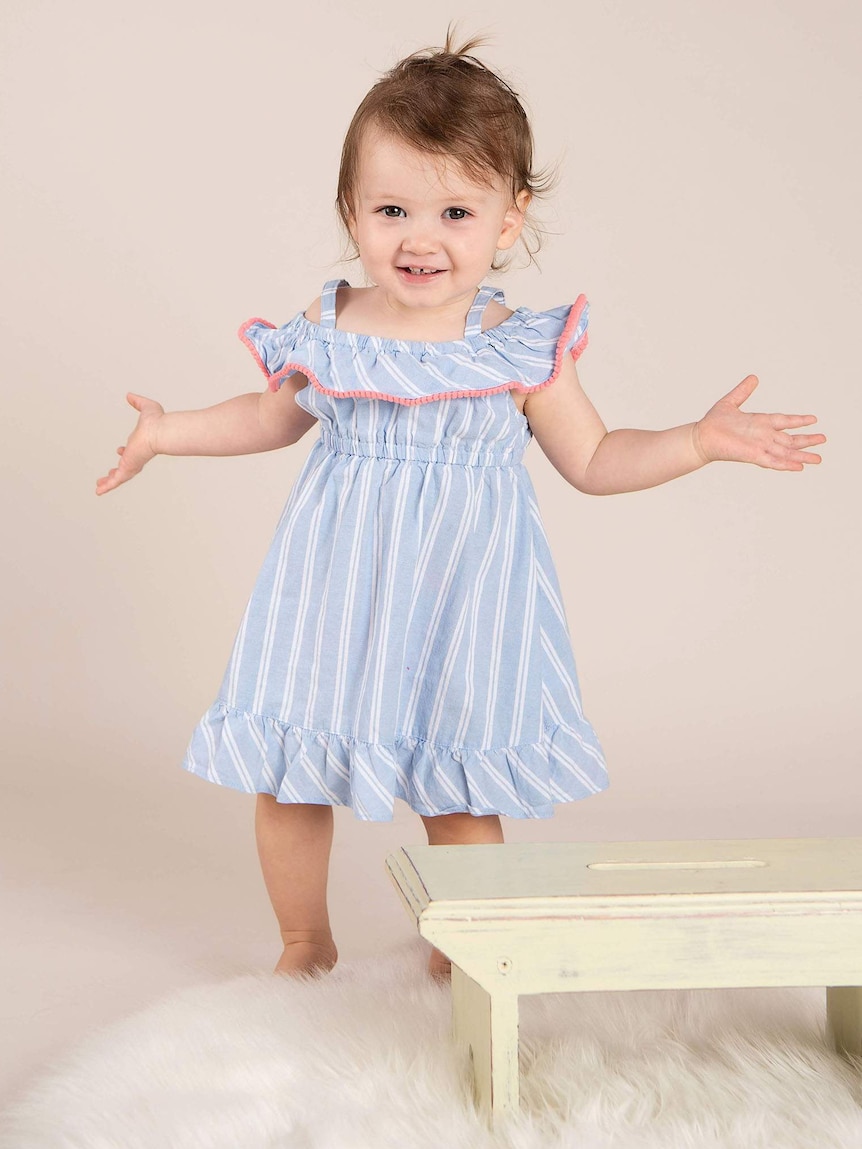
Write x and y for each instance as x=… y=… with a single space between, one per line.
x=472 y=248
x=369 y=238
x=361 y=233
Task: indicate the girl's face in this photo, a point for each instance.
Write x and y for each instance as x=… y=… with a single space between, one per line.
x=415 y=211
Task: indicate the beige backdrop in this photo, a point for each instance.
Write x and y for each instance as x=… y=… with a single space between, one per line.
x=170 y=171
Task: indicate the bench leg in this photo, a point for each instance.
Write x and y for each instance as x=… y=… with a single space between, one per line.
x=844 y=1018
x=487 y=1025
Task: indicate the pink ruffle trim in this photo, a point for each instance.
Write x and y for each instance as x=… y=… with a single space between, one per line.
x=515 y=385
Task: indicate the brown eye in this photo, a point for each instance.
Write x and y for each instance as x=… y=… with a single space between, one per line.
x=388 y=208
x=463 y=211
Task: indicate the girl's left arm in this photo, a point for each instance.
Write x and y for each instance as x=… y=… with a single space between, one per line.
x=601 y=462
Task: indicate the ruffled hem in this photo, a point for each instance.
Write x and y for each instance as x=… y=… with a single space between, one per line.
x=523 y=353
x=263 y=755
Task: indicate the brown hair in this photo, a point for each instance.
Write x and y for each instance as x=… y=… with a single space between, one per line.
x=448 y=103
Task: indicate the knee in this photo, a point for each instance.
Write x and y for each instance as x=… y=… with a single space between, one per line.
x=444 y=828
x=462 y=829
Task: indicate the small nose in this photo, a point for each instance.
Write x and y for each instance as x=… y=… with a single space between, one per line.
x=420 y=240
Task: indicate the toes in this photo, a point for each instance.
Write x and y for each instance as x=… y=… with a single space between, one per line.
x=440 y=968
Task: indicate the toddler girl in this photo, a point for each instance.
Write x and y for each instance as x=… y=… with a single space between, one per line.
x=406 y=637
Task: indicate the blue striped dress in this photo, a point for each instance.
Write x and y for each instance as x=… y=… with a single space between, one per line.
x=406 y=636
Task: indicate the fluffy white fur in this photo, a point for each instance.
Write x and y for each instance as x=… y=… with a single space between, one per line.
x=362 y=1059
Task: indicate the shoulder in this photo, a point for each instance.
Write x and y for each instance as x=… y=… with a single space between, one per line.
x=563 y=384
x=312 y=312
x=494 y=314
x=562 y=333
x=348 y=298
x=351 y=299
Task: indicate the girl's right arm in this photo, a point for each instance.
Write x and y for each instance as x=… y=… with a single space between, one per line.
x=260 y=421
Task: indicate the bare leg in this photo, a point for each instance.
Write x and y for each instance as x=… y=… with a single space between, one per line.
x=458 y=830
x=294 y=842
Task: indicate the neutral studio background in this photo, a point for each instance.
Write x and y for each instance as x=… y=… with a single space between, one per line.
x=169 y=171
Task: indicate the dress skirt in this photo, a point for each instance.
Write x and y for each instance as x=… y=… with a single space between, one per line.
x=406 y=636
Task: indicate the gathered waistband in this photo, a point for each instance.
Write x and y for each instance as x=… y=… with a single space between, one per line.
x=463 y=455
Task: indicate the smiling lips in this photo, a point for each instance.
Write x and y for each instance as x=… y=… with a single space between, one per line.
x=414 y=270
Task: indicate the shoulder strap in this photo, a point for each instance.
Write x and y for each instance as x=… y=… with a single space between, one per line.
x=473 y=324
x=327 y=301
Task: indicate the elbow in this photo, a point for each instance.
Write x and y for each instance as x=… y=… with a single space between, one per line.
x=587 y=488
x=587 y=477
x=583 y=481
x=579 y=483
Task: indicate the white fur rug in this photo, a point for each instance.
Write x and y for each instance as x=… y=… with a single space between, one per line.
x=361 y=1060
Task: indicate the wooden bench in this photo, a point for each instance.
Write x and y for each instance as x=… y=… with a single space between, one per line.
x=522 y=919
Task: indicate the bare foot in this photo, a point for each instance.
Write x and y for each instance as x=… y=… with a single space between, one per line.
x=439 y=967
x=304 y=954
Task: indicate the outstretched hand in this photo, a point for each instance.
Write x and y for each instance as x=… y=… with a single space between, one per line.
x=140 y=447
x=727 y=433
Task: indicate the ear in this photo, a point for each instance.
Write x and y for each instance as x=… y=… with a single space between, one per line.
x=513 y=220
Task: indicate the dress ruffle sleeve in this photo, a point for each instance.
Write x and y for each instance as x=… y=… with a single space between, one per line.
x=523 y=353
x=272 y=348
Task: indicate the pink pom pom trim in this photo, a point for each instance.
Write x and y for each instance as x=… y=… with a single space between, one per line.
x=276 y=379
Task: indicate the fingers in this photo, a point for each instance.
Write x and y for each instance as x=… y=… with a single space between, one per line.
x=795 y=447
x=113 y=478
x=790 y=464
x=799 y=458
x=789 y=453
x=117 y=475
x=107 y=482
x=132 y=458
x=139 y=402
x=779 y=460
x=782 y=422
x=742 y=391
x=802 y=441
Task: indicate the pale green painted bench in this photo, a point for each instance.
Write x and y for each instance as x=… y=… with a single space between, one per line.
x=524 y=919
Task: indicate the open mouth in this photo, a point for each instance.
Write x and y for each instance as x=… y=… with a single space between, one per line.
x=418 y=272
